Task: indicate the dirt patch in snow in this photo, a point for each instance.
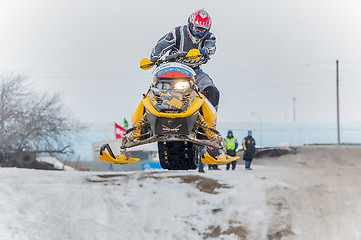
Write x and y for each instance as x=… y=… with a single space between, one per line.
x=108 y=178
x=286 y=232
x=280 y=220
x=274 y=152
x=216 y=210
x=96 y=181
x=112 y=175
x=215 y=231
x=204 y=184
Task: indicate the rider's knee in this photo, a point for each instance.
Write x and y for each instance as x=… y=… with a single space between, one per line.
x=213 y=95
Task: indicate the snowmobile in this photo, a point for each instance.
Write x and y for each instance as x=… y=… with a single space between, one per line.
x=175 y=114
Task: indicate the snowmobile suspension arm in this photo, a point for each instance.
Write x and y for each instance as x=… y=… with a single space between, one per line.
x=209 y=143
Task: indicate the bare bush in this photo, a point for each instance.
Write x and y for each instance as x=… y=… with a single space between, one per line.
x=31 y=121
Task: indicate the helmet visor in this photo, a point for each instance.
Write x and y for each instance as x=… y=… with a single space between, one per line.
x=199 y=31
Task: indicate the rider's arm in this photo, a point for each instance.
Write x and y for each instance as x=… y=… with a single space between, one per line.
x=210 y=43
x=163 y=45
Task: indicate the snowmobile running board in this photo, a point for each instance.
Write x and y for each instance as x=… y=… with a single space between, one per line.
x=110 y=157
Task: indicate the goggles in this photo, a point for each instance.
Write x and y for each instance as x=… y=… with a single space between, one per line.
x=199 y=30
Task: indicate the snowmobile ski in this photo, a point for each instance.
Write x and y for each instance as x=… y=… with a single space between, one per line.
x=207 y=159
x=110 y=157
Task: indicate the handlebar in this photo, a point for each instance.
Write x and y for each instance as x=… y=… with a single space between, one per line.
x=170 y=58
x=175 y=56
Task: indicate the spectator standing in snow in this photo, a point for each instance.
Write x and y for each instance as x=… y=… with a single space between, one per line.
x=249 y=147
x=215 y=152
x=200 y=166
x=214 y=166
x=231 y=144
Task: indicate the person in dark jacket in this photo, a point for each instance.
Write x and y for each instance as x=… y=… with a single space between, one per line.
x=231 y=144
x=249 y=147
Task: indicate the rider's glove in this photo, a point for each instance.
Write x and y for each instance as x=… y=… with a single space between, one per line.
x=203 y=51
x=154 y=59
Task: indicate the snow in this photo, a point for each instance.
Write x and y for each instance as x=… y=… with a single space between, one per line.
x=55 y=162
x=289 y=197
x=284 y=145
x=152 y=205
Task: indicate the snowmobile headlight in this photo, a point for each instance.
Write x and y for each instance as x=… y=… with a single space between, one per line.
x=182 y=86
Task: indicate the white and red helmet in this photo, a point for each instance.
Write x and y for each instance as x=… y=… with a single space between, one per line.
x=199 y=24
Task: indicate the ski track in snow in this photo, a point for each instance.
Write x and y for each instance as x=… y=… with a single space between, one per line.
x=289 y=197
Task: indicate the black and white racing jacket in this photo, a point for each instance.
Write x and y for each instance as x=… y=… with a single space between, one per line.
x=179 y=40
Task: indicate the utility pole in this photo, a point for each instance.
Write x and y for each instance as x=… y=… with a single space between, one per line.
x=338 y=103
x=294 y=109
x=260 y=124
x=294 y=120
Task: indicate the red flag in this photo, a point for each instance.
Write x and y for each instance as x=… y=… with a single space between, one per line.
x=119 y=131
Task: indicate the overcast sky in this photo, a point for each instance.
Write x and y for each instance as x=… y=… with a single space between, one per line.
x=267 y=53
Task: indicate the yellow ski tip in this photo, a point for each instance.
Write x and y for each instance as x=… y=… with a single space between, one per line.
x=207 y=159
x=118 y=159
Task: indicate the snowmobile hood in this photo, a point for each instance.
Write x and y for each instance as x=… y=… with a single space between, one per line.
x=173 y=70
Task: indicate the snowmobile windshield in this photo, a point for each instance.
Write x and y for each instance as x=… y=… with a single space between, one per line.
x=177 y=84
x=172 y=94
x=163 y=86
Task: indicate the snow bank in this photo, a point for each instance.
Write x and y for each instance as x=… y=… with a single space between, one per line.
x=136 y=205
x=57 y=164
x=310 y=195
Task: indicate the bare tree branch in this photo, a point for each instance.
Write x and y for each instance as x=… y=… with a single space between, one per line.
x=31 y=121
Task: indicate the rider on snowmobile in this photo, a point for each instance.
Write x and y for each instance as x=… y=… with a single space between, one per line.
x=184 y=38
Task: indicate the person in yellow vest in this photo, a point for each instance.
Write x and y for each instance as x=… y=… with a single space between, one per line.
x=231 y=144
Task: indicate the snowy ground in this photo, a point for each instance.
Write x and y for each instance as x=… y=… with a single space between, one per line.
x=312 y=195
x=55 y=162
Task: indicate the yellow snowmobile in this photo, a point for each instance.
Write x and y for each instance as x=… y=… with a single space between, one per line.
x=176 y=115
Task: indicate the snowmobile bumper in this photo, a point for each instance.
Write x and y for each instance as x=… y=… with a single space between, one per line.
x=110 y=157
x=223 y=159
